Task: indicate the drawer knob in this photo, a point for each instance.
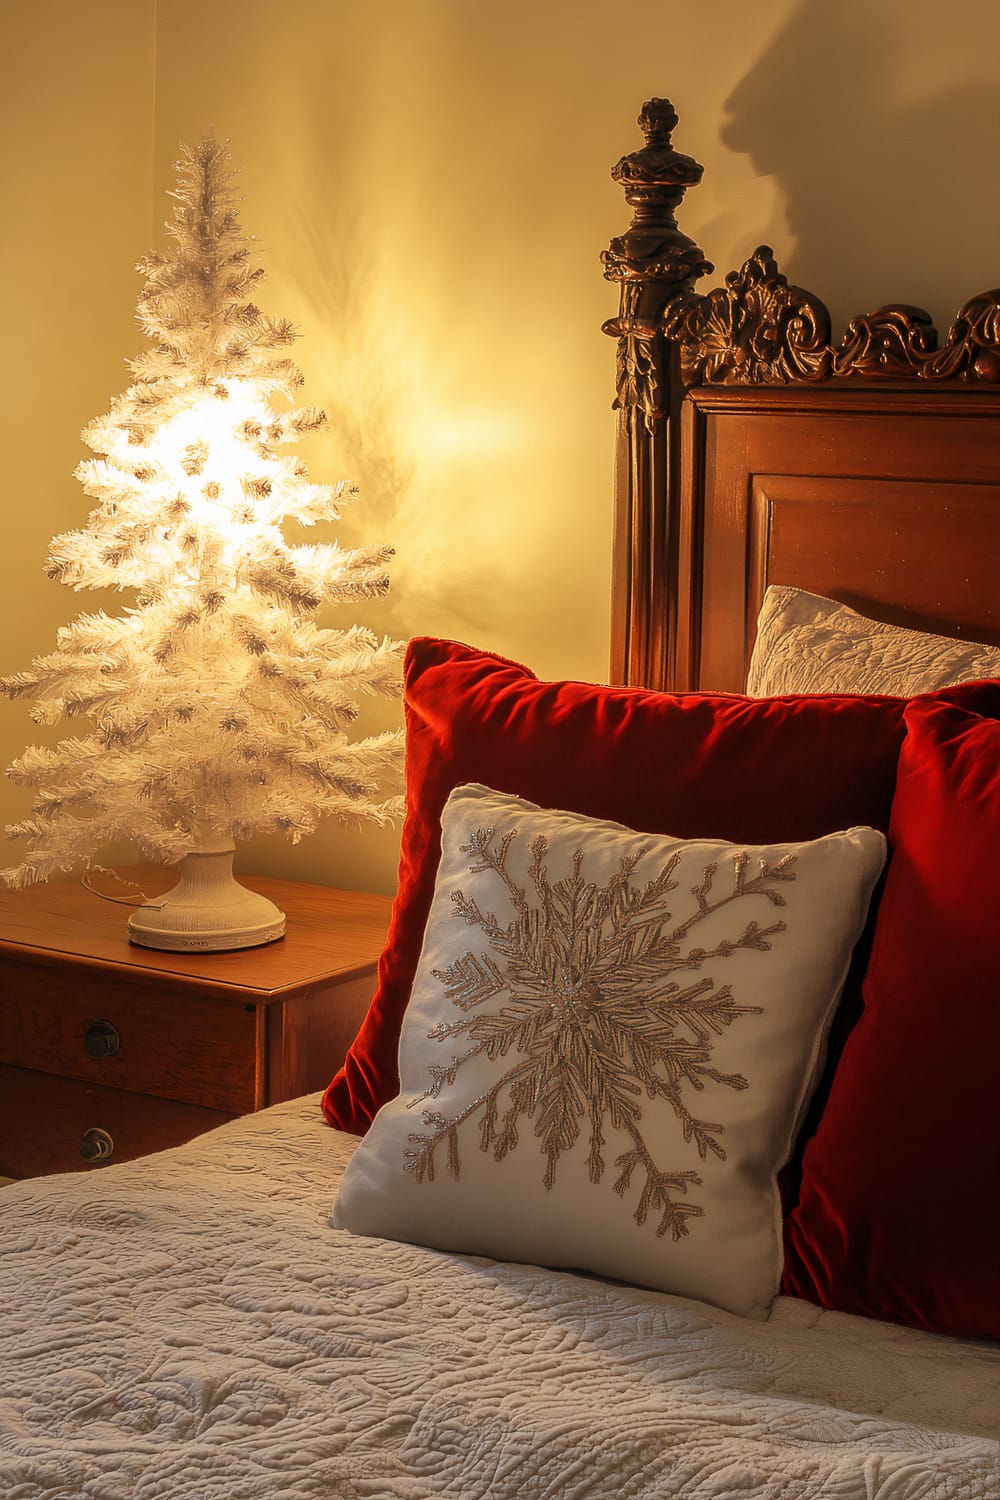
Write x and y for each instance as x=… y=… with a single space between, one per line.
x=101 y=1039
x=96 y=1145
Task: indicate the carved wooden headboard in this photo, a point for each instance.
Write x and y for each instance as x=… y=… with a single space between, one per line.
x=753 y=450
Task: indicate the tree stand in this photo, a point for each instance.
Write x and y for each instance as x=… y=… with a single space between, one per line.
x=208 y=910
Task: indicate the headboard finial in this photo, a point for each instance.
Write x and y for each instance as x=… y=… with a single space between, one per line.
x=654 y=264
x=663 y=172
x=657 y=119
x=652 y=261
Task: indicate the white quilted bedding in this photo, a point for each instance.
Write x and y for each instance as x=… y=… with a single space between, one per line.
x=189 y=1327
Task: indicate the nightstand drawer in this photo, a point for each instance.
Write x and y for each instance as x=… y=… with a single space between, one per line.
x=50 y=1124
x=106 y=1030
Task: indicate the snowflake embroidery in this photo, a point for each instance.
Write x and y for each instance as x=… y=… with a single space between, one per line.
x=606 y=1002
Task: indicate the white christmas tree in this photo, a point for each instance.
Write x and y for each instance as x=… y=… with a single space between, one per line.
x=220 y=707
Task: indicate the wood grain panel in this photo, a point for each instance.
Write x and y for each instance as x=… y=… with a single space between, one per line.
x=309 y=1035
x=43 y=1120
x=856 y=539
x=888 y=500
x=176 y=1049
x=329 y=932
x=277 y=1024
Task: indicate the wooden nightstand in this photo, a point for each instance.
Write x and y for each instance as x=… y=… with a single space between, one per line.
x=109 y=1051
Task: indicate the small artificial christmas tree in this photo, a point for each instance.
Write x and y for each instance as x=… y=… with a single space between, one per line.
x=220 y=707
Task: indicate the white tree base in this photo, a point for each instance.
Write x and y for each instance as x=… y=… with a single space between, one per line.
x=207 y=911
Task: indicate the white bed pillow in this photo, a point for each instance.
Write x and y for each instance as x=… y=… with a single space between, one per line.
x=808 y=644
x=610 y=1041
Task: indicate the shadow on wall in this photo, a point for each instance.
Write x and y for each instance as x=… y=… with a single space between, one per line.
x=329 y=271
x=880 y=134
x=387 y=372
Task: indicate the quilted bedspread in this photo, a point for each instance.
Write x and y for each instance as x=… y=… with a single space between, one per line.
x=189 y=1327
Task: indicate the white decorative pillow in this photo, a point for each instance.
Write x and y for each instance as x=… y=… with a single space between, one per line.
x=611 y=1039
x=808 y=644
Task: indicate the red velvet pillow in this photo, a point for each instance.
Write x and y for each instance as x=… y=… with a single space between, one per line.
x=759 y=770
x=899 y=1213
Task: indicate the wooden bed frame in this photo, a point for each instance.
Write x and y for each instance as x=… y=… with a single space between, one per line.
x=752 y=450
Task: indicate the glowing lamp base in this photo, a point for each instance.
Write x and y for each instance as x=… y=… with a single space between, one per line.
x=207 y=910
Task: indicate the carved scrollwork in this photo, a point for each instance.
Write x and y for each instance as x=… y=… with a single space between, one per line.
x=890 y=343
x=901 y=342
x=972 y=349
x=756 y=330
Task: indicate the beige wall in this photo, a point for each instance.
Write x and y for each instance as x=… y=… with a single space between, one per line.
x=429 y=183
x=76 y=155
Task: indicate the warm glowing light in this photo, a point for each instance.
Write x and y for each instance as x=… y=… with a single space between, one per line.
x=219 y=706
